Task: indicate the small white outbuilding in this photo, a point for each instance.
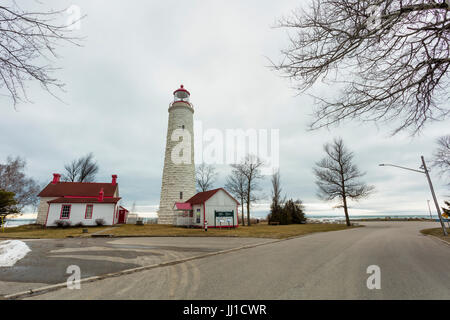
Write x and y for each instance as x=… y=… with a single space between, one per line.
x=216 y=208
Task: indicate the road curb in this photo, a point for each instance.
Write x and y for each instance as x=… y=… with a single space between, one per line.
x=437 y=238
x=42 y=290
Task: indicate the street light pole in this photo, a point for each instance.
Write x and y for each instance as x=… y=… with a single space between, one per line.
x=431 y=217
x=425 y=171
x=434 y=196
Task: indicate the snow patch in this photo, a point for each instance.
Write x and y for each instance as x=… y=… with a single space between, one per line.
x=12 y=251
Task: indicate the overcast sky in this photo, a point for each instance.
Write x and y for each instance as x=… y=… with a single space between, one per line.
x=136 y=53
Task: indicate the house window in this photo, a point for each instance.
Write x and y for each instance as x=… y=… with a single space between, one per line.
x=89 y=209
x=65 y=211
x=198 y=216
x=181 y=195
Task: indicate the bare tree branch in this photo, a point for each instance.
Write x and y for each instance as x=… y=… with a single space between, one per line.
x=83 y=169
x=206 y=176
x=27 y=40
x=397 y=58
x=441 y=160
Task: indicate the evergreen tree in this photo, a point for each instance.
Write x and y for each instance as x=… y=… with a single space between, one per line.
x=7 y=204
x=291 y=212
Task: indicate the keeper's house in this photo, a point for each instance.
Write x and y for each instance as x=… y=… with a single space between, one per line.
x=215 y=207
x=78 y=202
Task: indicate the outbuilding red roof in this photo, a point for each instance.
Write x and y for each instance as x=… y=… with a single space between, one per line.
x=84 y=200
x=183 y=206
x=78 y=189
x=202 y=197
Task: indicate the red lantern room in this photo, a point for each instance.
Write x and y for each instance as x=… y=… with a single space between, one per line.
x=181 y=94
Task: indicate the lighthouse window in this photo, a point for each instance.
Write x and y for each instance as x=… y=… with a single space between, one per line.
x=181 y=195
x=182 y=126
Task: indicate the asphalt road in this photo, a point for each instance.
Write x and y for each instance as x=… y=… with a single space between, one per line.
x=48 y=260
x=329 y=265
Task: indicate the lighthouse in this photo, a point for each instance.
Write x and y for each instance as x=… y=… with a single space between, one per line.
x=178 y=180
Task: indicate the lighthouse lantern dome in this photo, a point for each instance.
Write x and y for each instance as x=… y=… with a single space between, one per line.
x=181 y=94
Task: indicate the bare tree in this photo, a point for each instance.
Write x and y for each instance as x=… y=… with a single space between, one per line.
x=237 y=186
x=83 y=169
x=13 y=179
x=389 y=58
x=206 y=176
x=250 y=168
x=72 y=171
x=337 y=176
x=27 y=40
x=441 y=160
x=277 y=200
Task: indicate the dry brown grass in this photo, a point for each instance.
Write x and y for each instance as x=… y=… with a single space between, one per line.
x=255 y=231
x=33 y=231
x=437 y=232
x=155 y=230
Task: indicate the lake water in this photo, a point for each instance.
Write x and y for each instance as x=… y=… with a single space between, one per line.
x=18 y=222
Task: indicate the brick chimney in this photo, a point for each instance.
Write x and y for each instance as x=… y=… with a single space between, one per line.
x=114 y=179
x=101 y=195
x=56 y=177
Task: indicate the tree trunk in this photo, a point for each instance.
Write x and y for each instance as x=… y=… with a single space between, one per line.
x=242 y=213
x=347 y=219
x=248 y=213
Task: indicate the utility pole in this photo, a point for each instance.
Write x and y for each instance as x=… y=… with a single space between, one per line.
x=434 y=196
x=431 y=217
x=425 y=171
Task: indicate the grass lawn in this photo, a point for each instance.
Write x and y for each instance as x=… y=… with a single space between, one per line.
x=155 y=230
x=437 y=232
x=33 y=231
x=255 y=231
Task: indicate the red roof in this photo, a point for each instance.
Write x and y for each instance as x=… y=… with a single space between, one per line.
x=78 y=189
x=183 y=206
x=181 y=89
x=84 y=200
x=202 y=197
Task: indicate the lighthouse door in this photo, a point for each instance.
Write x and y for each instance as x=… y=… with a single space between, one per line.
x=121 y=216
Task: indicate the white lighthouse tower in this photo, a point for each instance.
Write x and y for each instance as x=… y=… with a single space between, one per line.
x=178 y=180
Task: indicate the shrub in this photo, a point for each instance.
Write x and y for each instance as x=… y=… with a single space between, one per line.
x=100 y=222
x=290 y=213
x=62 y=223
x=79 y=225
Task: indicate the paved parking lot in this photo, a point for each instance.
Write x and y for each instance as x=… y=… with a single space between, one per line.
x=48 y=260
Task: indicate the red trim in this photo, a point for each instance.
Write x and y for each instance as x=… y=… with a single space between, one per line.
x=92 y=212
x=101 y=195
x=70 y=209
x=190 y=105
x=85 y=197
x=56 y=177
x=237 y=216
x=213 y=227
x=181 y=89
x=220 y=227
